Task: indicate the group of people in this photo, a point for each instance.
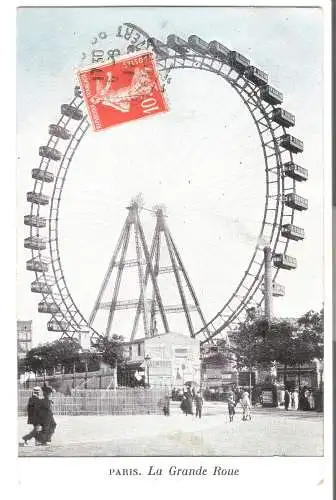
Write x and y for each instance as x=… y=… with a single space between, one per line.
x=291 y=399
x=40 y=416
x=189 y=398
x=299 y=400
x=245 y=403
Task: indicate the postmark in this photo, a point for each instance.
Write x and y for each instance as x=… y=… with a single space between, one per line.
x=104 y=48
x=122 y=90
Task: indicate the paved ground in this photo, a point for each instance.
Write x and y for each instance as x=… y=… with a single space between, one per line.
x=270 y=432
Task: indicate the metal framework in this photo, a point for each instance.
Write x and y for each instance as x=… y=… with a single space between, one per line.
x=261 y=100
x=149 y=267
x=132 y=225
x=162 y=236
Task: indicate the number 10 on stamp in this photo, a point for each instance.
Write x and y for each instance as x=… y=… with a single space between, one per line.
x=122 y=90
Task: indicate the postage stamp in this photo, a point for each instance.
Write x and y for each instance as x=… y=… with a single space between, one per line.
x=122 y=90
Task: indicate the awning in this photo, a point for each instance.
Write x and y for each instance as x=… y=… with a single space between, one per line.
x=135 y=365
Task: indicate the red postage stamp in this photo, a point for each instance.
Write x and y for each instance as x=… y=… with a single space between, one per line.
x=122 y=90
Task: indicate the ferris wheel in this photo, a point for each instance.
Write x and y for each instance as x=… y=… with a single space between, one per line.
x=282 y=173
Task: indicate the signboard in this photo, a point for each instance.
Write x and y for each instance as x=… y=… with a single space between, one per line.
x=267 y=397
x=181 y=352
x=244 y=378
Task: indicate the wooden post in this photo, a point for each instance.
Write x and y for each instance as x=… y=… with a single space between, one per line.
x=250 y=388
x=285 y=375
x=115 y=376
x=86 y=373
x=73 y=377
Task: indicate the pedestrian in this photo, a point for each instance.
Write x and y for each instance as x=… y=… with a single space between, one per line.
x=296 y=399
x=198 y=404
x=166 y=406
x=293 y=400
x=311 y=400
x=189 y=405
x=47 y=417
x=287 y=399
x=34 y=417
x=246 y=405
x=237 y=394
x=231 y=407
x=184 y=403
x=305 y=400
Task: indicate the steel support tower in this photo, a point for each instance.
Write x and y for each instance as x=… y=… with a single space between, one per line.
x=148 y=304
x=119 y=262
x=162 y=240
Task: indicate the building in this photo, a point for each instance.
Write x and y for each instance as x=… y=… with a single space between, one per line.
x=303 y=375
x=218 y=370
x=24 y=337
x=169 y=359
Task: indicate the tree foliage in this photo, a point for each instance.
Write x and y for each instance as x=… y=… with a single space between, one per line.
x=60 y=353
x=111 y=350
x=68 y=355
x=257 y=342
x=246 y=345
x=309 y=336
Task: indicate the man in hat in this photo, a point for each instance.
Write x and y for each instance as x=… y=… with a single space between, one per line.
x=198 y=404
x=46 y=415
x=34 y=417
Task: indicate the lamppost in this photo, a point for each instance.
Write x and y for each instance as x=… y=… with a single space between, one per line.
x=147 y=359
x=84 y=353
x=183 y=368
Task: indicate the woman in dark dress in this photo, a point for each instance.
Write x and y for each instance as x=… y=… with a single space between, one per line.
x=34 y=417
x=186 y=403
x=287 y=399
x=46 y=416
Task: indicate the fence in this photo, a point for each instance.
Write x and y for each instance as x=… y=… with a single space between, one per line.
x=123 y=401
x=66 y=382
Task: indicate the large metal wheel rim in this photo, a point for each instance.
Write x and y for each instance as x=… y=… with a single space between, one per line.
x=71 y=313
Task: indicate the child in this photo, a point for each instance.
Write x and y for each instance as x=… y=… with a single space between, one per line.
x=231 y=407
x=246 y=405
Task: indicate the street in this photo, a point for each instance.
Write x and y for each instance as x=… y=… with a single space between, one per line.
x=270 y=432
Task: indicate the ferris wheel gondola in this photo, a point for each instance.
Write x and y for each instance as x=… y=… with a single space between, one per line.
x=264 y=103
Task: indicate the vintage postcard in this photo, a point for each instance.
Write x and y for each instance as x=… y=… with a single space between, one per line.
x=172 y=305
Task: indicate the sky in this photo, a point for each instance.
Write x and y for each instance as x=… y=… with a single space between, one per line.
x=202 y=159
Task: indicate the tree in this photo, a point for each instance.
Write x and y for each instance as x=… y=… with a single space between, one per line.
x=280 y=344
x=46 y=357
x=246 y=345
x=258 y=342
x=111 y=350
x=68 y=355
x=310 y=336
